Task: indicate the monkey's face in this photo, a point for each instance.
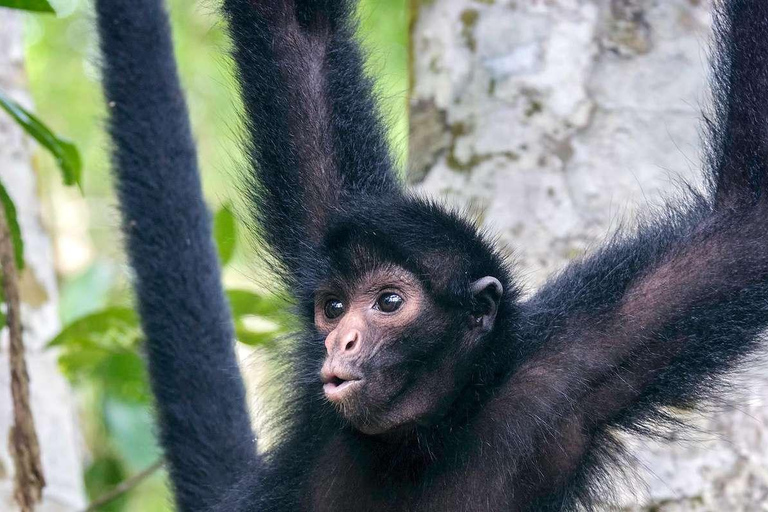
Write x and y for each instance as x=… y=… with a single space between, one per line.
x=394 y=356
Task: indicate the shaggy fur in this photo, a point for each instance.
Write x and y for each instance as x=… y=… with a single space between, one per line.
x=654 y=319
x=186 y=320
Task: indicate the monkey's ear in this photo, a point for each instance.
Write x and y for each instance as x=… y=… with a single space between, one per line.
x=487 y=292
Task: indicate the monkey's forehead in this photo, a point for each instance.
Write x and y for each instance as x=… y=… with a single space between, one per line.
x=441 y=249
x=369 y=278
x=401 y=230
x=356 y=269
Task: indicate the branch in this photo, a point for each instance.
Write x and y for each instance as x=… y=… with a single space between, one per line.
x=124 y=486
x=23 y=444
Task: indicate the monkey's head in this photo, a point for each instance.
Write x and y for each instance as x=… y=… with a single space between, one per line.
x=409 y=307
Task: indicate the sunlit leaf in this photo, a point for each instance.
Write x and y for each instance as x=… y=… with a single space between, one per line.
x=245 y=305
x=119 y=373
x=225 y=233
x=13 y=226
x=254 y=339
x=112 y=327
x=103 y=347
x=79 y=363
x=28 y=5
x=123 y=375
x=243 y=302
x=66 y=154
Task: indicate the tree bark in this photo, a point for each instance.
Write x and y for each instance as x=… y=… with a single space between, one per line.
x=52 y=406
x=553 y=121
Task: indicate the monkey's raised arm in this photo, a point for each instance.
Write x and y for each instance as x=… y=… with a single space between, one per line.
x=315 y=138
x=656 y=318
x=204 y=425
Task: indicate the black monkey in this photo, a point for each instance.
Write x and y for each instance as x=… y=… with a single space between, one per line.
x=419 y=380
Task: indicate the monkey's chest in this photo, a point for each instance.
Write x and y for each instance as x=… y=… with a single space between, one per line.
x=347 y=485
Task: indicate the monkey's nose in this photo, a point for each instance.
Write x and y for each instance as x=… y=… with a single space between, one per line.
x=345 y=344
x=349 y=343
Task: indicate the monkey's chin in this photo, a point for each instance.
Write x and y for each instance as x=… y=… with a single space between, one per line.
x=369 y=407
x=357 y=411
x=372 y=419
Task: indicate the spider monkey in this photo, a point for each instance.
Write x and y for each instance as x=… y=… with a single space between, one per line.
x=419 y=378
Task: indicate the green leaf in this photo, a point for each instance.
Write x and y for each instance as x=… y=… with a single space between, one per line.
x=28 y=5
x=103 y=347
x=243 y=302
x=102 y=475
x=118 y=373
x=78 y=363
x=110 y=328
x=225 y=233
x=13 y=226
x=123 y=375
x=66 y=154
x=254 y=339
x=246 y=304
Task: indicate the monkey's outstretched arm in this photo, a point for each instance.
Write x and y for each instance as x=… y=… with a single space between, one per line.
x=205 y=429
x=658 y=317
x=314 y=136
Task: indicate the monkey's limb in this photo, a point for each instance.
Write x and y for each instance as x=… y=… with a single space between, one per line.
x=314 y=136
x=204 y=425
x=657 y=318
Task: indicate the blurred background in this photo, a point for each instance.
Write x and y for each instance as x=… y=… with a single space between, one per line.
x=551 y=122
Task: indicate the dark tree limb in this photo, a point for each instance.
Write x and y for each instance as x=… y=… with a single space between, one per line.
x=24 y=446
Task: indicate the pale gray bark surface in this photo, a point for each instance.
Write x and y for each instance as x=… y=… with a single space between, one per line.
x=554 y=121
x=52 y=404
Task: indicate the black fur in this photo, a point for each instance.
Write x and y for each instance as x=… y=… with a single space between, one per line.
x=654 y=319
x=316 y=139
x=186 y=320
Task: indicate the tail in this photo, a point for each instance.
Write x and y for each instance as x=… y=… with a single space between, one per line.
x=738 y=131
x=205 y=429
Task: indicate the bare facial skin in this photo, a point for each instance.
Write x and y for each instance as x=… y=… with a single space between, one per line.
x=359 y=321
x=391 y=351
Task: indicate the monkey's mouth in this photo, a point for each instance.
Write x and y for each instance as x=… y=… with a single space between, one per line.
x=339 y=387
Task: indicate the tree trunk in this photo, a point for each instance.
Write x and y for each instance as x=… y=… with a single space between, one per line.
x=553 y=121
x=52 y=405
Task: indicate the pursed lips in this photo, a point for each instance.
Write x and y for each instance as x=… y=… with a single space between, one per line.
x=339 y=383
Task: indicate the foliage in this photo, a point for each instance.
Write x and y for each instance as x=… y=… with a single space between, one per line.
x=101 y=353
x=66 y=154
x=28 y=5
x=225 y=233
x=250 y=308
x=13 y=226
x=103 y=347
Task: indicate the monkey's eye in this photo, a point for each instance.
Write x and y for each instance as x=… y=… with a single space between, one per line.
x=333 y=309
x=389 y=302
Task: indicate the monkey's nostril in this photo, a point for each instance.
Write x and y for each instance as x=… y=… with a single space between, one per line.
x=350 y=345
